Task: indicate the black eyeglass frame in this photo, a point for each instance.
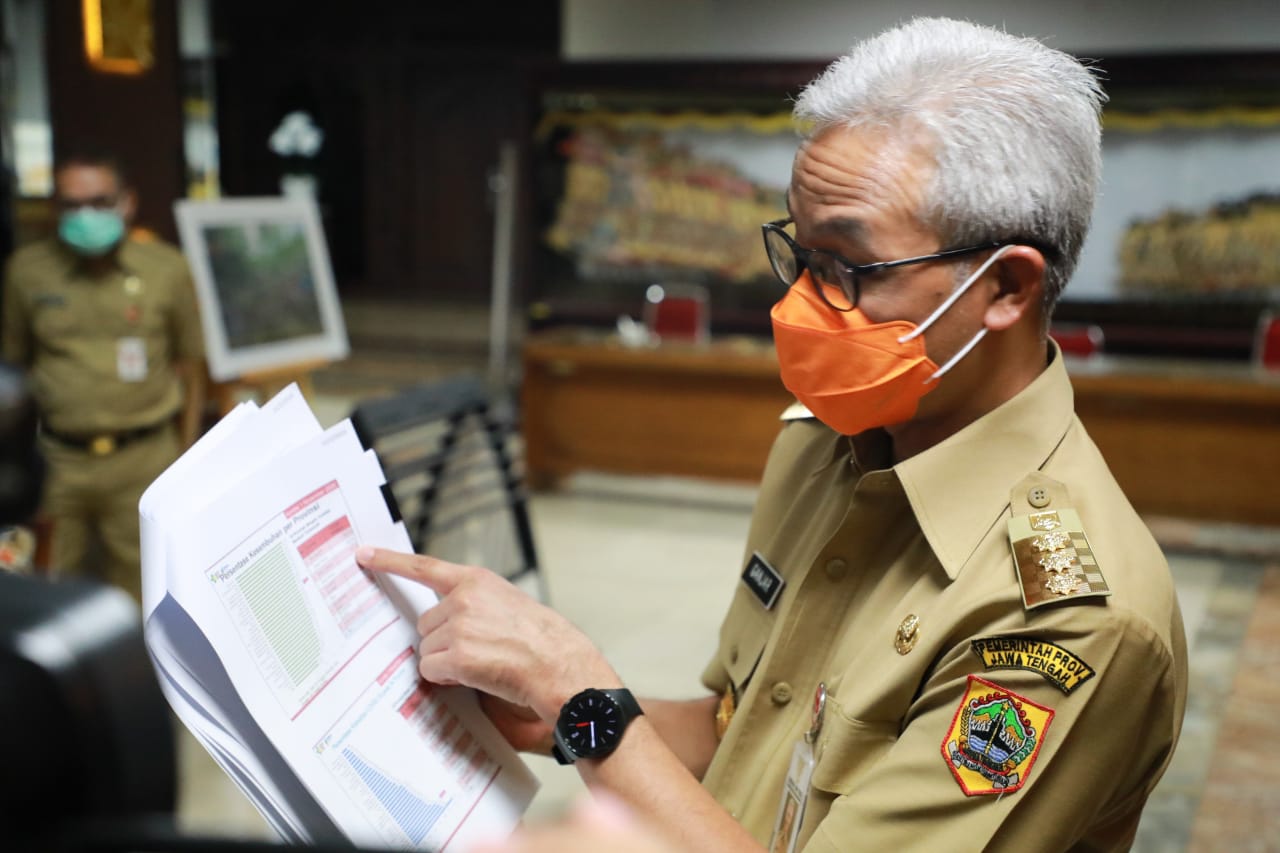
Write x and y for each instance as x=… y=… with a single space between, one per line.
x=802 y=256
x=98 y=202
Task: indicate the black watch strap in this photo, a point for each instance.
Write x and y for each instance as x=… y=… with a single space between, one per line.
x=627 y=705
x=626 y=701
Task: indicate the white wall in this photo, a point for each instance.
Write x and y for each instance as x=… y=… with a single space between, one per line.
x=1143 y=174
x=31 y=142
x=821 y=29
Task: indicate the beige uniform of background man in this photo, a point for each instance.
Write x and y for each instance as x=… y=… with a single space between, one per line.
x=107 y=327
x=941 y=557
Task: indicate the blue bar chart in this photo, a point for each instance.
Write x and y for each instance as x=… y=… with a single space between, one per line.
x=414 y=816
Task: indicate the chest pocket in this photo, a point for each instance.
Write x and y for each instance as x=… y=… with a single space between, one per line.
x=140 y=315
x=743 y=637
x=53 y=318
x=847 y=748
x=847 y=751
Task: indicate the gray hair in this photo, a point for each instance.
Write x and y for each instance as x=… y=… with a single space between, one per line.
x=1015 y=127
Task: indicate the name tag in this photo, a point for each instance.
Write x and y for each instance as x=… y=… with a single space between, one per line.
x=131 y=359
x=763 y=580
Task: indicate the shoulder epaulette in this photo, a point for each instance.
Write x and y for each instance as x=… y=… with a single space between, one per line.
x=1050 y=550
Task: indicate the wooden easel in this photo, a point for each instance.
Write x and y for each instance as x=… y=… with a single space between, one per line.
x=263 y=384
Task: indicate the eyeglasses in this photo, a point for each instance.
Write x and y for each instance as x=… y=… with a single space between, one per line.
x=836 y=279
x=98 y=202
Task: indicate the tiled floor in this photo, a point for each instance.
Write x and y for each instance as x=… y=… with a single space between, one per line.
x=645 y=567
x=1240 y=798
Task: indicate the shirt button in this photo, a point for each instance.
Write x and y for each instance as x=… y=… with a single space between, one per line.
x=781 y=693
x=836 y=569
x=1038 y=497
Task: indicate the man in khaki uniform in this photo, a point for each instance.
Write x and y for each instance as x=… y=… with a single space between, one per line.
x=952 y=631
x=107 y=326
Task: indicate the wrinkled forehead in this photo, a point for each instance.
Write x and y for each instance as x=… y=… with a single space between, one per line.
x=864 y=165
x=86 y=181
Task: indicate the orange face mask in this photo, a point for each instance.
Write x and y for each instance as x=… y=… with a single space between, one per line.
x=854 y=374
x=851 y=373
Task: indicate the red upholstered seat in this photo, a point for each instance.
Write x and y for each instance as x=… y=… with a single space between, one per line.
x=678 y=312
x=1266 y=348
x=1083 y=340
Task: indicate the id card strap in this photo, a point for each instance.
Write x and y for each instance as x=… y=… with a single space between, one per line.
x=795 y=796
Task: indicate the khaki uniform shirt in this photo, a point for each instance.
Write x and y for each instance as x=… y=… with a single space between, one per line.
x=101 y=350
x=1090 y=688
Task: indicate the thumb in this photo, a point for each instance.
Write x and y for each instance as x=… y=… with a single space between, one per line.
x=438 y=575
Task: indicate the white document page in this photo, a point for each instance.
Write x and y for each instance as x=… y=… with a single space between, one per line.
x=325 y=661
x=240 y=443
x=189 y=672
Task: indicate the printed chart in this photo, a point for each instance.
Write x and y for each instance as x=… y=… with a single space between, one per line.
x=403 y=722
x=297 y=597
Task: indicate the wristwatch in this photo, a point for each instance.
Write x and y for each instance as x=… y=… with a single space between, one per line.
x=591 y=724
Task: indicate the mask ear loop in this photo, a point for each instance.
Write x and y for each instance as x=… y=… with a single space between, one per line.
x=964 y=350
x=947 y=303
x=956 y=294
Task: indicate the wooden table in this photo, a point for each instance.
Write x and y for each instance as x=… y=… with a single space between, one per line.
x=699 y=411
x=1195 y=440
x=1183 y=439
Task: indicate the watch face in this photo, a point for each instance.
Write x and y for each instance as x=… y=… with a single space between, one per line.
x=591 y=724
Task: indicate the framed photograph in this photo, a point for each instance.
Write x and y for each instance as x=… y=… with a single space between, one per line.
x=264 y=283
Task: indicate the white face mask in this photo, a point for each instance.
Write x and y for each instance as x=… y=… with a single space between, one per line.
x=941 y=309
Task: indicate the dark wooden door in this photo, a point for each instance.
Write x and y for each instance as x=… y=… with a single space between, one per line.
x=414 y=99
x=137 y=117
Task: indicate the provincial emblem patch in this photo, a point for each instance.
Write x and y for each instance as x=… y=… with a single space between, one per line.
x=994 y=739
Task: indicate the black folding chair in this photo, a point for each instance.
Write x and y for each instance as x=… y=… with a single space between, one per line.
x=455 y=469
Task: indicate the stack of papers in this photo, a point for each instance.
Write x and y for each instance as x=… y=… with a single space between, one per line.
x=296 y=669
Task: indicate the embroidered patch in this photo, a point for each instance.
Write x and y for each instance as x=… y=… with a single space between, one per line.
x=1060 y=667
x=763 y=580
x=994 y=739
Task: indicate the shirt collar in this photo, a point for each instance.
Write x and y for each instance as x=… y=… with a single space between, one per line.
x=959 y=488
x=122 y=257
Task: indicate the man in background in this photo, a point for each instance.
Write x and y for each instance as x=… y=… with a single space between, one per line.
x=106 y=325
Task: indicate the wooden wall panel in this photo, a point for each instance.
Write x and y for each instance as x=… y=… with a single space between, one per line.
x=414 y=98
x=138 y=117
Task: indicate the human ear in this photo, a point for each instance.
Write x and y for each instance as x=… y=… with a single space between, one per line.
x=128 y=205
x=1019 y=289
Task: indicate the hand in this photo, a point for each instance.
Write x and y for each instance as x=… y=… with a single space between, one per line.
x=487 y=634
x=601 y=822
x=519 y=724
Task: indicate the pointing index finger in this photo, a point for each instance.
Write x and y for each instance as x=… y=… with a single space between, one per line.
x=438 y=575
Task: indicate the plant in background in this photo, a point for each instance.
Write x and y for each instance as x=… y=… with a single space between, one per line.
x=297 y=142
